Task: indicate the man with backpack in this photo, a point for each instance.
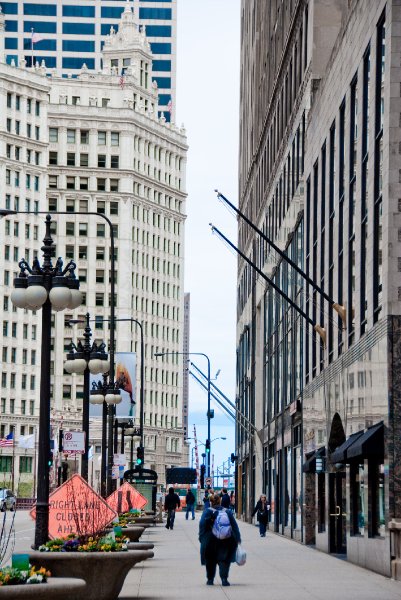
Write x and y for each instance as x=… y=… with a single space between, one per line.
x=219 y=537
x=190 y=502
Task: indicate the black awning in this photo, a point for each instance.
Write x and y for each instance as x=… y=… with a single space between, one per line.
x=370 y=444
x=340 y=454
x=309 y=465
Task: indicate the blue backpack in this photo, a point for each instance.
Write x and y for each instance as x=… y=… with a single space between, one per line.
x=221 y=526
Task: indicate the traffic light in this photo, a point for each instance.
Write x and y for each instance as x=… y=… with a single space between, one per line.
x=234 y=457
x=140 y=455
x=64 y=471
x=207 y=446
x=50 y=460
x=202 y=476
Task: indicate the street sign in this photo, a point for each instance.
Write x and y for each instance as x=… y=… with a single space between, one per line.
x=125 y=498
x=74 y=442
x=115 y=472
x=75 y=507
x=119 y=460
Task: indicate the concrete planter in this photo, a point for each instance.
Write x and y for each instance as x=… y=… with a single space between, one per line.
x=140 y=546
x=145 y=521
x=59 y=588
x=103 y=572
x=132 y=532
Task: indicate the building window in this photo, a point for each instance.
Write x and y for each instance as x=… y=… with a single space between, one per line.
x=99 y=253
x=363 y=304
x=70 y=136
x=376 y=476
x=83 y=252
x=113 y=186
x=83 y=183
x=5 y=463
x=99 y=300
x=115 y=138
x=101 y=184
x=71 y=159
x=100 y=230
x=358 y=507
x=101 y=138
x=53 y=134
x=114 y=161
x=84 y=137
x=83 y=229
x=25 y=464
x=101 y=207
x=84 y=160
x=101 y=160
x=70 y=229
x=70 y=183
x=378 y=171
x=113 y=206
x=53 y=158
x=53 y=182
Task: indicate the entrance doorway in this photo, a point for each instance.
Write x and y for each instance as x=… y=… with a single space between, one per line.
x=337 y=513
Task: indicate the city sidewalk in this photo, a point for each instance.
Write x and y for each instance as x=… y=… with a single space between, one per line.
x=276 y=569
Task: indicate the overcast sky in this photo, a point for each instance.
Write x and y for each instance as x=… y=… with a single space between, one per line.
x=207 y=103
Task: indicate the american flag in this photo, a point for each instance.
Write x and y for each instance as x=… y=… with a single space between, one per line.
x=7 y=441
x=122 y=80
x=36 y=38
x=170 y=106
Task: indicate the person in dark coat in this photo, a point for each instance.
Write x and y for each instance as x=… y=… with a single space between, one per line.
x=214 y=551
x=171 y=502
x=190 y=502
x=224 y=494
x=261 y=511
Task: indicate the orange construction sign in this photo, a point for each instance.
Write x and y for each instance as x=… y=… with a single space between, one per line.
x=75 y=507
x=125 y=498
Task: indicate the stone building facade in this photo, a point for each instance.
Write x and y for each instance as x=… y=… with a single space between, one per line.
x=105 y=150
x=319 y=173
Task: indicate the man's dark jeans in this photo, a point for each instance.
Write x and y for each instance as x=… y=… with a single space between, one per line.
x=170 y=518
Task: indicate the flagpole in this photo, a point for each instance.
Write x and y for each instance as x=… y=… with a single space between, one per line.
x=12 y=465
x=32 y=30
x=34 y=466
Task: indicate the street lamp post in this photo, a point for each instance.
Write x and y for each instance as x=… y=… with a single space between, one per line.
x=44 y=286
x=105 y=393
x=86 y=358
x=9 y=212
x=209 y=413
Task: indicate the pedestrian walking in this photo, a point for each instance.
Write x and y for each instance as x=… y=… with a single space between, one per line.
x=224 y=494
x=232 y=501
x=261 y=511
x=190 y=502
x=171 y=502
x=219 y=537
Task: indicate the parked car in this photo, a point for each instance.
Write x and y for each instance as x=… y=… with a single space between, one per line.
x=7 y=500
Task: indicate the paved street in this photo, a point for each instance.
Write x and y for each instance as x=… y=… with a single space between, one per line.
x=276 y=569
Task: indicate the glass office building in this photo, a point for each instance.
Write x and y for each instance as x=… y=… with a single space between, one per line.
x=69 y=33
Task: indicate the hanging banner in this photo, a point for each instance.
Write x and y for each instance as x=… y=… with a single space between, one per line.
x=125 y=374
